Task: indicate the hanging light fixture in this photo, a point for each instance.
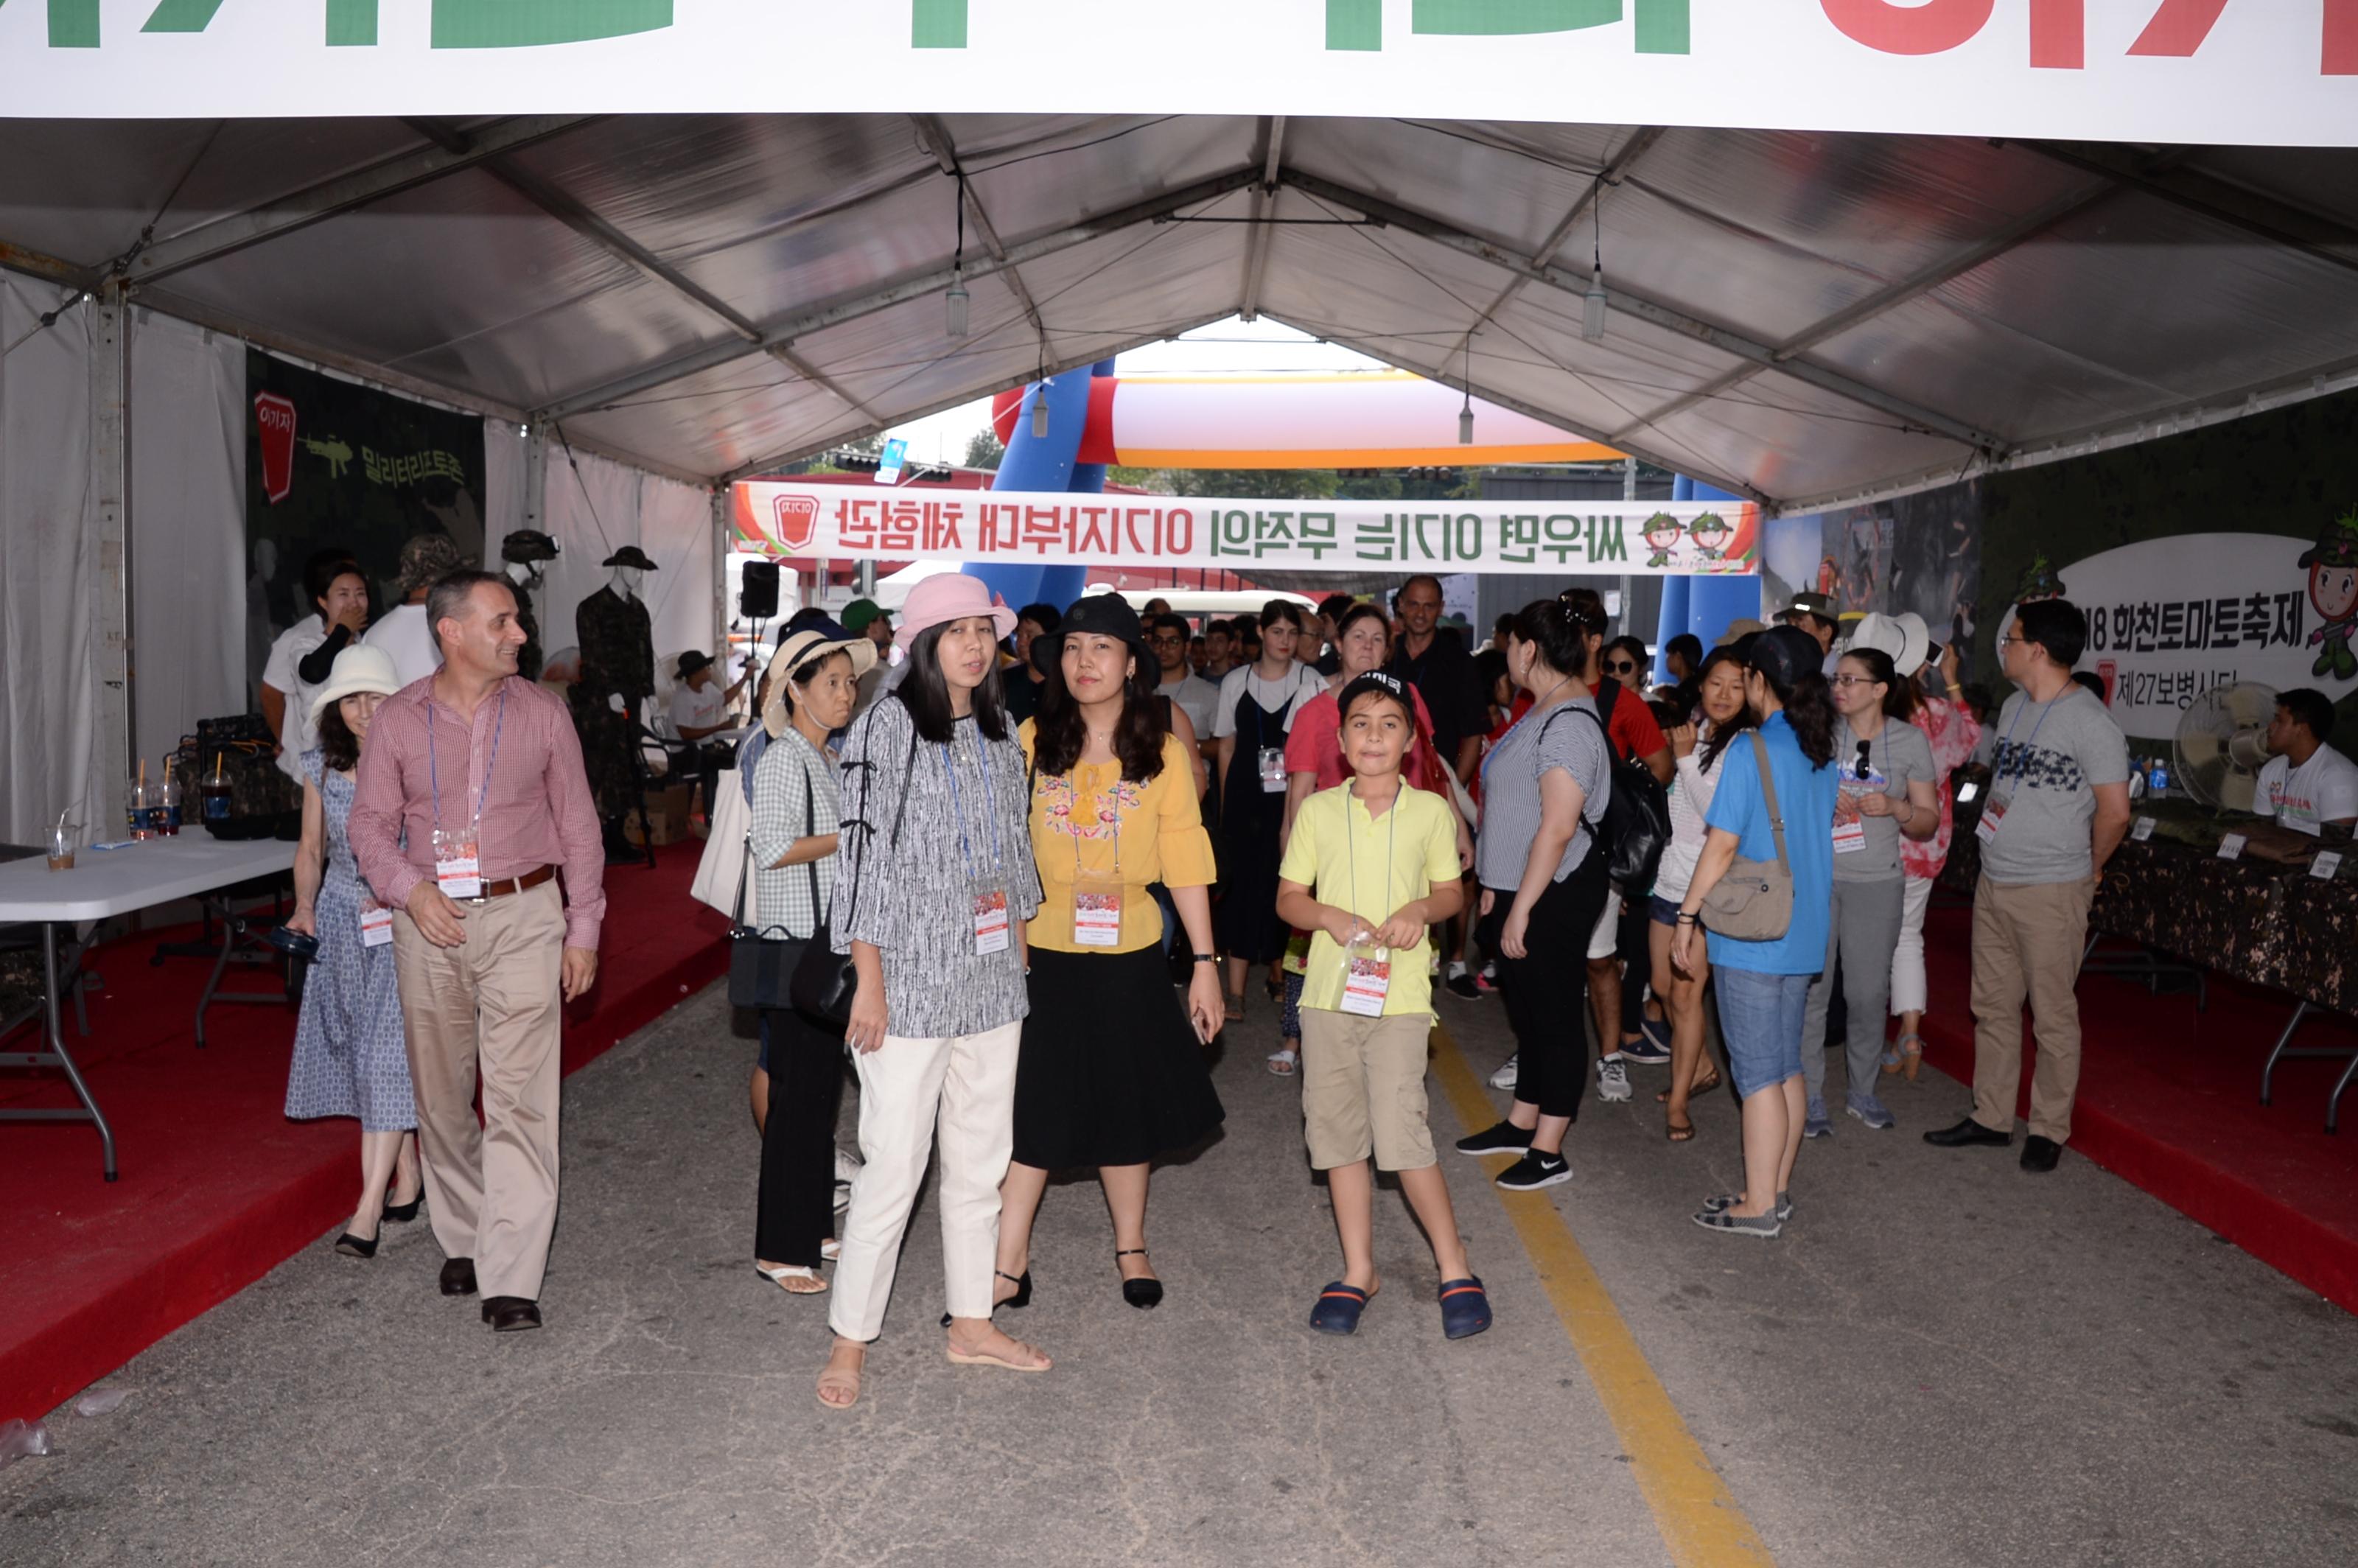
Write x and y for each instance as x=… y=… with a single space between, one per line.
x=1593 y=303
x=957 y=299
x=1040 y=398
x=1466 y=414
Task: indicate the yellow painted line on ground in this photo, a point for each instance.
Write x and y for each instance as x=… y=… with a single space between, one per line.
x=1699 y=1519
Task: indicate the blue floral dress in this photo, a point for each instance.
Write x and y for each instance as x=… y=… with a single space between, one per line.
x=348 y=1056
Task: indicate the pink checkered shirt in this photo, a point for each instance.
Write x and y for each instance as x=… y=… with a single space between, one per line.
x=537 y=809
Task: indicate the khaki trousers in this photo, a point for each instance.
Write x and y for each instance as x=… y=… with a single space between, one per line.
x=2027 y=938
x=490 y=1189
x=964 y=1084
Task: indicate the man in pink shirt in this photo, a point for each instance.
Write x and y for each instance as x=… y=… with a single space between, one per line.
x=470 y=797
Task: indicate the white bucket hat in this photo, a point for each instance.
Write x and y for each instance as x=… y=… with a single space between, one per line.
x=1905 y=644
x=358 y=668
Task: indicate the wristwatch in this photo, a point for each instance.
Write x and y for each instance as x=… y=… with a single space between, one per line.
x=1207 y=957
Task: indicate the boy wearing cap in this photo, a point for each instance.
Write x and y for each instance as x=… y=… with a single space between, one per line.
x=1371 y=864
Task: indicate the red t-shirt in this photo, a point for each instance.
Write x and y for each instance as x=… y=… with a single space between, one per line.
x=1632 y=728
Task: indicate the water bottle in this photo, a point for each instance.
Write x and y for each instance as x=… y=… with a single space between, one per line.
x=2158 y=781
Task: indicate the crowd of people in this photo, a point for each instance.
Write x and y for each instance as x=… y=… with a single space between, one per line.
x=1046 y=857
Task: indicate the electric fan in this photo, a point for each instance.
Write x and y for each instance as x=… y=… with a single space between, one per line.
x=2223 y=744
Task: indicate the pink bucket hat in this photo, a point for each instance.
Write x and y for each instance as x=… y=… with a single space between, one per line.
x=953 y=596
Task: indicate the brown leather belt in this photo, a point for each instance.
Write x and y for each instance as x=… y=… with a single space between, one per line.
x=507 y=885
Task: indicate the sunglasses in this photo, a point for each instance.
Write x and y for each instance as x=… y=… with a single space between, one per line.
x=1620 y=667
x=1863 y=768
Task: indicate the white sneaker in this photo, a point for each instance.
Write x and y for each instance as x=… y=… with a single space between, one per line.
x=1504 y=1078
x=1612 y=1078
x=845 y=1167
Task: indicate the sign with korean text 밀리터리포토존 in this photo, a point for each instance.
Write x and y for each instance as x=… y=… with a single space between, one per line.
x=1640 y=539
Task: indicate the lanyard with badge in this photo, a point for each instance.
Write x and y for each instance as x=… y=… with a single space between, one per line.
x=458 y=852
x=2001 y=796
x=1850 y=837
x=1272 y=758
x=986 y=891
x=1368 y=968
x=1096 y=900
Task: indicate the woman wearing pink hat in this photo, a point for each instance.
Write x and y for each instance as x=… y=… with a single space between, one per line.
x=934 y=884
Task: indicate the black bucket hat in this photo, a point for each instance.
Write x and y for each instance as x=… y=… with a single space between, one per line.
x=631 y=556
x=1101 y=614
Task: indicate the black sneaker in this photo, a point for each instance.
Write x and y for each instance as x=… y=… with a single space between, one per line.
x=1535 y=1171
x=1462 y=984
x=1504 y=1139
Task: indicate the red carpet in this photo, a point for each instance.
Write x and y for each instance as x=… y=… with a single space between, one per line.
x=2170 y=1099
x=217 y=1187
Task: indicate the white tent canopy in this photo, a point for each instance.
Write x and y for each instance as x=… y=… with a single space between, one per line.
x=1798 y=317
x=1795 y=315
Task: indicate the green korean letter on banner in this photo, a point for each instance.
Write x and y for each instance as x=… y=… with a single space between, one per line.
x=1359 y=24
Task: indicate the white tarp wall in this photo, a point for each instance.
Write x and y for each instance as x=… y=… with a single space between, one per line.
x=188 y=610
x=49 y=558
x=594 y=507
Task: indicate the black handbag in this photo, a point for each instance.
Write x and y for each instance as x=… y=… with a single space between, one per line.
x=825 y=982
x=764 y=960
x=1635 y=824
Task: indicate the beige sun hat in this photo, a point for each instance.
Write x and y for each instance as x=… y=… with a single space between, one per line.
x=812 y=642
x=357 y=669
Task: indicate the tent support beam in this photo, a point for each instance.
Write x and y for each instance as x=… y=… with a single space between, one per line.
x=37 y=264
x=786 y=332
x=561 y=206
x=1625 y=302
x=820 y=379
x=2264 y=217
x=1054 y=368
x=1264 y=200
x=405 y=171
x=1728 y=483
x=1614 y=173
x=934 y=137
x=113 y=664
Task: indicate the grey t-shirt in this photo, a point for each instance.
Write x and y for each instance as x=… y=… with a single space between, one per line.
x=1892 y=757
x=1511 y=790
x=2051 y=756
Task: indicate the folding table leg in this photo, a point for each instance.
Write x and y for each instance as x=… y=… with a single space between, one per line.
x=231 y=926
x=2299 y=1011
x=54 y=1020
x=2334 y=1101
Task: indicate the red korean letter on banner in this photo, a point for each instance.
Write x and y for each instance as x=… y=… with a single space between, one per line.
x=275 y=417
x=1933 y=27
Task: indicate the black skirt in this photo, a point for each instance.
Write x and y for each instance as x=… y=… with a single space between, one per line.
x=1110 y=1071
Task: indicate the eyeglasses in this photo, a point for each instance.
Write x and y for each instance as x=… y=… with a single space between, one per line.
x=1169 y=640
x=2010 y=637
x=1864 y=767
x=1846 y=682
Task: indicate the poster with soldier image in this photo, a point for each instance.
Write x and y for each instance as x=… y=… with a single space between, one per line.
x=331 y=462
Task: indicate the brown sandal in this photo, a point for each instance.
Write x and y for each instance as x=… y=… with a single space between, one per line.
x=1701 y=1087
x=1678 y=1133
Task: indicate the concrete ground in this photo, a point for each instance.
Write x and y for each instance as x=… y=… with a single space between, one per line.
x=1942 y=1361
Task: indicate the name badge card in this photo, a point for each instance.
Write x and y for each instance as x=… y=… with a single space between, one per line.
x=1850 y=837
x=1993 y=814
x=2231 y=847
x=376 y=923
x=1273 y=770
x=1367 y=981
x=458 y=863
x=1096 y=916
x=2141 y=829
x=2327 y=862
x=990 y=930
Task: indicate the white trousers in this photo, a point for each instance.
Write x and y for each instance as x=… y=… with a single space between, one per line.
x=966 y=1083
x=1908 y=993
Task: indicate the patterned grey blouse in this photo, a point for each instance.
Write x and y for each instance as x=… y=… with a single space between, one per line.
x=795 y=796
x=962 y=823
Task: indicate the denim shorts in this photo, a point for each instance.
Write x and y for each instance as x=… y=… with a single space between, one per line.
x=1662 y=911
x=1760 y=1024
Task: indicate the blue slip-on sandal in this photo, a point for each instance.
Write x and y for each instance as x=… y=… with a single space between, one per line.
x=1338 y=1309
x=1657 y=1030
x=1464 y=1308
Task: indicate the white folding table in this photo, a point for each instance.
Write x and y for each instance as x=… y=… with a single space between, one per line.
x=103 y=884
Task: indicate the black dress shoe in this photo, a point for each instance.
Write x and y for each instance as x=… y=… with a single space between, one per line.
x=508 y=1315
x=1140 y=1294
x=352 y=1246
x=2040 y=1153
x=459 y=1277
x=404 y=1212
x=1965 y=1133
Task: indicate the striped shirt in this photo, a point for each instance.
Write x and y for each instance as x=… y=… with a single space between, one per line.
x=795 y=796
x=532 y=802
x=1510 y=789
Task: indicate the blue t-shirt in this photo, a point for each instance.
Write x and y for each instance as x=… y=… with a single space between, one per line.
x=1805 y=799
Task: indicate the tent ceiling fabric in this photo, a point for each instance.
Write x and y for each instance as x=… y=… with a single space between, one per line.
x=1798 y=316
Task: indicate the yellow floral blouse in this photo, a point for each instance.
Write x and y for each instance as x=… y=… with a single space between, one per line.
x=1095 y=830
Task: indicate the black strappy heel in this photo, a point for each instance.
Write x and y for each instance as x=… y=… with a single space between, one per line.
x=1140 y=1294
x=1022 y=1298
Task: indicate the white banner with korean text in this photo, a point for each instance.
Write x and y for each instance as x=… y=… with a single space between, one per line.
x=1637 y=537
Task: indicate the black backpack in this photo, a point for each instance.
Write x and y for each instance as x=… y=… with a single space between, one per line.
x=1637 y=821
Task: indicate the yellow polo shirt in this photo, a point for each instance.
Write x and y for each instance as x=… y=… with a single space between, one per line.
x=1095 y=824
x=1333 y=836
